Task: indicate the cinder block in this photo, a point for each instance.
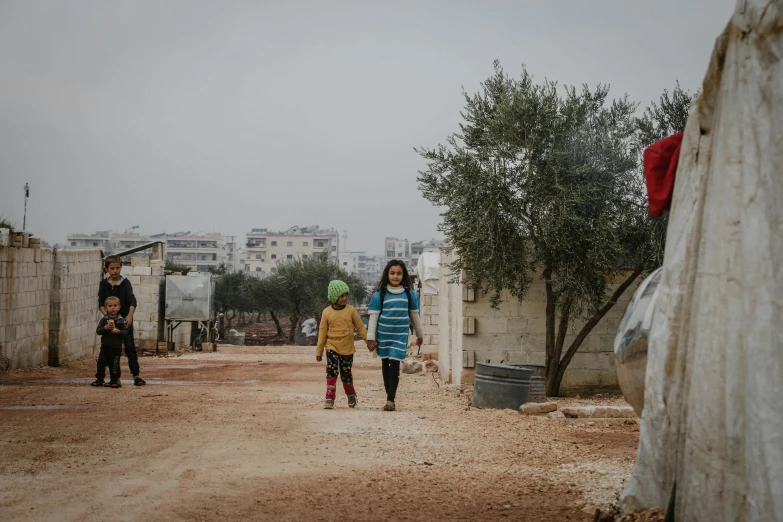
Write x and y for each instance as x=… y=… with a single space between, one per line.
x=142 y=271
x=140 y=261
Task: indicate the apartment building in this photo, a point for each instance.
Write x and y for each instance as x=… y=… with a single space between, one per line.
x=200 y=251
x=420 y=247
x=107 y=240
x=265 y=248
x=396 y=248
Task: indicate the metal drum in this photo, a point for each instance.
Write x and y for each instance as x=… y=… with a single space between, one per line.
x=630 y=344
x=500 y=386
x=537 y=382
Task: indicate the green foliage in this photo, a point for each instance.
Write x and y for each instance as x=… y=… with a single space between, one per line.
x=547 y=179
x=5 y=223
x=173 y=266
x=296 y=290
x=218 y=270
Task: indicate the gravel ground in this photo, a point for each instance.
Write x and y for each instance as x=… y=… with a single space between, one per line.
x=241 y=433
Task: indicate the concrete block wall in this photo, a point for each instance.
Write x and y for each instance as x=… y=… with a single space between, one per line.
x=516 y=333
x=74 y=305
x=25 y=283
x=430 y=317
x=149 y=282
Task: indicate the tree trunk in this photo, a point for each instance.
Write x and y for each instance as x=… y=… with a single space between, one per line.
x=229 y=319
x=275 y=320
x=258 y=317
x=562 y=330
x=292 y=331
x=551 y=302
x=587 y=328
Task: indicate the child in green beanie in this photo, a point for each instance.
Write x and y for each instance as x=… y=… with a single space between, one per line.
x=336 y=336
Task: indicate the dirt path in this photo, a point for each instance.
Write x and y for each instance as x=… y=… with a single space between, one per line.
x=240 y=434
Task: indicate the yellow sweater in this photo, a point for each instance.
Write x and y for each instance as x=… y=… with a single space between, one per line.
x=336 y=331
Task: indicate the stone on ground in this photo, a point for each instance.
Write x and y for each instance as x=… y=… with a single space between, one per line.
x=411 y=366
x=598 y=412
x=537 y=408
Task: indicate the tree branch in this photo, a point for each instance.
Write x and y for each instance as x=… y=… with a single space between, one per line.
x=589 y=325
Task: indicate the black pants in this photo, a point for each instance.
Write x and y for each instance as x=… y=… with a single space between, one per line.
x=130 y=353
x=391 y=377
x=109 y=356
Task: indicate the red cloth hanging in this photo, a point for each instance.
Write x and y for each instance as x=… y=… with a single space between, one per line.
x=660 y=169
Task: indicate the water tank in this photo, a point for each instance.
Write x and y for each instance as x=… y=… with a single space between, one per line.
x=537 y=382
x=500 y=386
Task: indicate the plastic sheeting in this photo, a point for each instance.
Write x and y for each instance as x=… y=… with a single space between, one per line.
x=428 y=270
x=713 y=410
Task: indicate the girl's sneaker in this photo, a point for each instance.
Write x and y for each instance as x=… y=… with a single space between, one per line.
x=328 y=404
x=352 y=401
x=389 y=406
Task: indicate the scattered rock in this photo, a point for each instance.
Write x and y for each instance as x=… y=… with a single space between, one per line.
x=556 y=415
x=598 y=412
x=411 y=366
x=537 y=408
x=431 y=366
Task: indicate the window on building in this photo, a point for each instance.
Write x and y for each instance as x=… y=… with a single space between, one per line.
x=203 y=258
x=274 y=269
x=247 y=268
x=73 y=243
x=274 y=243
x=274 y=256
x=390 y=253
x=259 y=256
x=334 y=249
x=94 y=243
x=258 y=269
x=319 y=244
x=289 y=256
x=305 y=256
x=305 y=243
x=290 y=243
x=345 y=263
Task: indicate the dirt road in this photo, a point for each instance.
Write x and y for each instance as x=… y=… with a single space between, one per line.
x=241 y=434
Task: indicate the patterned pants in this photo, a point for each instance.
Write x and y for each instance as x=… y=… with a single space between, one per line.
x=338 y=364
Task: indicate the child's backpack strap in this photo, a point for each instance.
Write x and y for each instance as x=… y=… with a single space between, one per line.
x=383 y=296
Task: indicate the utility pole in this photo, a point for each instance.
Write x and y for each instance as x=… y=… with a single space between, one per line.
x=26 y=195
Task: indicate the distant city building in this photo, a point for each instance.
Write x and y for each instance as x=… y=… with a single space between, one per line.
x=396 y=248
x=265 y=249
x=200 y=251
x=107 y=240
x=419 y=247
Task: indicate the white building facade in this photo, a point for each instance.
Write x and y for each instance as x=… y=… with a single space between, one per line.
x=264 y=249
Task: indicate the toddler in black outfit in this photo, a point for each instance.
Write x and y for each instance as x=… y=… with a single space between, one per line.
x=112 y=330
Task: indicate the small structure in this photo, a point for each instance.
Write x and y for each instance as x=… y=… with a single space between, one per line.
x=189 y=299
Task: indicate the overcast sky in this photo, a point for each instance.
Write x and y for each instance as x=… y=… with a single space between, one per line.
x=226 y=115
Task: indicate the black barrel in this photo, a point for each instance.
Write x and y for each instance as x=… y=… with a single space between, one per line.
x=500 y=386
x=537 y=382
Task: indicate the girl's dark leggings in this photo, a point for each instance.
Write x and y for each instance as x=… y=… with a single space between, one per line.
x=391 y=377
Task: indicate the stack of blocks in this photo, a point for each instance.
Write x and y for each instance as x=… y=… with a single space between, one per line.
x=148 y=280
x=429 y=323
x=25 y=283
x=73 y=311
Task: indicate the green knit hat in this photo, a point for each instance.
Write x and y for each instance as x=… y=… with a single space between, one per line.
x=336 y=289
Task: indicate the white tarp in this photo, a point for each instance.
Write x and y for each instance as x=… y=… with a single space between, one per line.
x=713 y=409
x=428 y=270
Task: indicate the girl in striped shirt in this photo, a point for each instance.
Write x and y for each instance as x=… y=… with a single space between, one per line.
x=393 y=308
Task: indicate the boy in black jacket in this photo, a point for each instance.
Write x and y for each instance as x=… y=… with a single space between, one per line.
x=117 y=285
x=112 y=330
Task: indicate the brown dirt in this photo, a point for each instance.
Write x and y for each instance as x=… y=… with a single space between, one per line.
x=240 y=434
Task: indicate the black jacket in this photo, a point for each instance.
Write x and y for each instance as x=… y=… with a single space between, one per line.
x=122 y=290
x=110 y=339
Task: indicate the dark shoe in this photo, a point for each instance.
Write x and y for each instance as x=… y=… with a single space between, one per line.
x=328 y=404
x=352 y=401
x=389 y=406
x=114 y=385
x=97 y=382
x=138 y=381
